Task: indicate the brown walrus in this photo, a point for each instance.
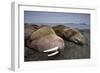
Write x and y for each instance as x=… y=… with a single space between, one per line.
x=70 y=34
x=28 y=30
x=46 y=40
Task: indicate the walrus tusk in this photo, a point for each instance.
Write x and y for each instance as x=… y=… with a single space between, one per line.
x=52 y=54
x=52 y=49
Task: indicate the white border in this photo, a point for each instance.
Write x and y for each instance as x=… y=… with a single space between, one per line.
x=17 y=61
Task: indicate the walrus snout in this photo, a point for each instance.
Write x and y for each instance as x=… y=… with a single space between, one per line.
x=80 y=41
x=78 y=38
x=71 y=34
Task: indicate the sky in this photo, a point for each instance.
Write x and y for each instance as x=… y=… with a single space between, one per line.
x=41 y=17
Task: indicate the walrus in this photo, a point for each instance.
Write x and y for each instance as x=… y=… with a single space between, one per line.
x=28 y=30
x=70 y=34
x=45 y=40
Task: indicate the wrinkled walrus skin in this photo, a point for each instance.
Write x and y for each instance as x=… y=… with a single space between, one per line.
x=70 y=34
x=45 y=38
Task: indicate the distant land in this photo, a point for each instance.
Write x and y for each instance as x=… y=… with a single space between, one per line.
x=72 y=25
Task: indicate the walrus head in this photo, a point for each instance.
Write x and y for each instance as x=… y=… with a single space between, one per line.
x=45 y=40
x=70 y=34
x=74 y=35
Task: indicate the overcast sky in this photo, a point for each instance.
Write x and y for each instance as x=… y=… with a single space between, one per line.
x=55 y=17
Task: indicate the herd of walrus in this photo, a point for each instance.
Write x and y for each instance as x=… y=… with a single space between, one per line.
x=50 y=39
